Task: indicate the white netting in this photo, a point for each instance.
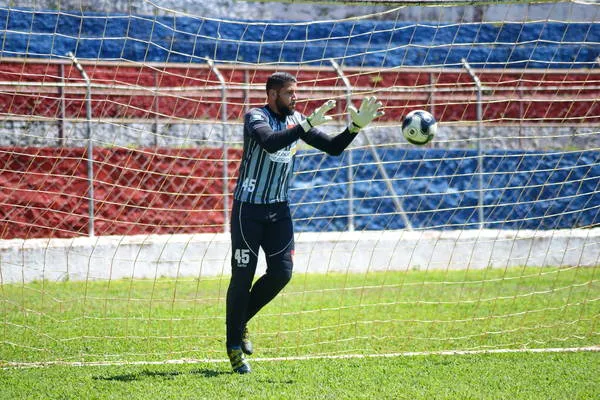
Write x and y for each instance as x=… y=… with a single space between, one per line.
x=486 y=238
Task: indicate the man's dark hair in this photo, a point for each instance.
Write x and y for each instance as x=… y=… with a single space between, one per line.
x=279 y=79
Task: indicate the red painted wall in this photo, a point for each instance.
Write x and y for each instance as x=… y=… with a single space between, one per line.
x=552 y=96
x=44 y=191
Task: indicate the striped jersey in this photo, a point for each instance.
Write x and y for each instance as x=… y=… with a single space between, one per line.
x=264 y=176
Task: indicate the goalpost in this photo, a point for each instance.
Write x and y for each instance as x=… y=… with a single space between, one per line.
x=120 y=138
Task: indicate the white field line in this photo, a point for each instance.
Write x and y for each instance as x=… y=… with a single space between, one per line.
x=7 y=365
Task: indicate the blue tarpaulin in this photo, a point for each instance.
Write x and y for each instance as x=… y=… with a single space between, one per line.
x=353 y=43
x=439 y=189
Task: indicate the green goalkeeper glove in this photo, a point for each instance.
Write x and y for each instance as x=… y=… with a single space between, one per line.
x=369 y=110
x=318 y=116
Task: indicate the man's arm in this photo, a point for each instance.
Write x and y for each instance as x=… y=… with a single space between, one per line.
x=270 y=140
x=332 y=145
x=368 y=111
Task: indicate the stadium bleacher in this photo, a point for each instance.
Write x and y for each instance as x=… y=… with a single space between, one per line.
x=133 y=56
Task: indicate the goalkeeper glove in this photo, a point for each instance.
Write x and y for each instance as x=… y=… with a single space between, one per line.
x=318 y=116
x=367 y=112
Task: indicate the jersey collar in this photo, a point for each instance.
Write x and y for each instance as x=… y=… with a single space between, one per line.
x=279 y=117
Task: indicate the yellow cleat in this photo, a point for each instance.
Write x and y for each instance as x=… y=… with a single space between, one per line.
x=238 y=360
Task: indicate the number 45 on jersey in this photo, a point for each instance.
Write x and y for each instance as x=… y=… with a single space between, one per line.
x=249 y=185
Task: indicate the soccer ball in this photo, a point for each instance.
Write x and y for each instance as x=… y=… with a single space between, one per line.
x=419 y=127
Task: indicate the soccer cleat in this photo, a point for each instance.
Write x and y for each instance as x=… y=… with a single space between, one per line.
x=238 y=361
x=246 y=343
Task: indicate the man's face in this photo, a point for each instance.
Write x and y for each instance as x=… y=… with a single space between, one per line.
x=285 y=100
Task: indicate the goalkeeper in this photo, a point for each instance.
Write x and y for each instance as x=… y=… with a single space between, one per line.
x=260 y=214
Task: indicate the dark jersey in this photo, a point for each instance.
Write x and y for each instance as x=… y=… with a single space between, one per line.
x=270 y=142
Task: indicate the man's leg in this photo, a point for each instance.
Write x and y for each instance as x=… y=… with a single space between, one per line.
x=278 y=244
x=246 y=233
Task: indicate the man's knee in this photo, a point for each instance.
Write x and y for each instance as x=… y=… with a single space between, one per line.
x=280 y=271
x=282 y=276
x=241 y=278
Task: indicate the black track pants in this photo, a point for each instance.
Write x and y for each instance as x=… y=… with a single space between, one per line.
x=254 y=226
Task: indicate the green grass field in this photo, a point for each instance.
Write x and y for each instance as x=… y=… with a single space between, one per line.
x=366 y=314
x=493 y=376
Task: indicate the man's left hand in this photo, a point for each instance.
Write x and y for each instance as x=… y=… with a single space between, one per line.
x=369 y=110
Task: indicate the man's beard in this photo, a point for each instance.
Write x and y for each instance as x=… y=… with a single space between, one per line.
x=284 y=109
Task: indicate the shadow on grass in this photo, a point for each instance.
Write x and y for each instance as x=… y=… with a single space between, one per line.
x=144 y=374
x=277 y=382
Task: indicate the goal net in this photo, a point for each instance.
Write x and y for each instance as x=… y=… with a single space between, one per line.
x=121 y=135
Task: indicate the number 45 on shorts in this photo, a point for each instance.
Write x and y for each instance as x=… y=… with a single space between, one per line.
x=242 y=257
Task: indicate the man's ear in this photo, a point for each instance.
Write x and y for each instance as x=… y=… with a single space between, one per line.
x=271 y=94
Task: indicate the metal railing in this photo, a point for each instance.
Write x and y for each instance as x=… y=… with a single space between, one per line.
x=479 y=172
x=380 y=167
x=249 y=91
x=90 y=142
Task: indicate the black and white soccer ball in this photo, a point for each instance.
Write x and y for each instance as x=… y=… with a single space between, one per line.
x=419 y=127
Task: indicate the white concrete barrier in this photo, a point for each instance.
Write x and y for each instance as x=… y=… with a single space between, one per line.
x=201 y=255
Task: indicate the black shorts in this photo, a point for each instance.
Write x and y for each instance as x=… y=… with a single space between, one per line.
x=266 y=226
